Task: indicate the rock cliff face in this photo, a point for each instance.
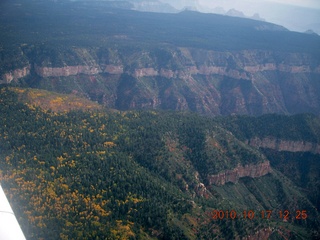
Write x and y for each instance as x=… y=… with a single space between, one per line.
x=235 y=174
x=15 y=74
x=284 y=145
x=239 y=65
x=78 y=69
x=209 y=82
x=168 y=73
x=66 y=71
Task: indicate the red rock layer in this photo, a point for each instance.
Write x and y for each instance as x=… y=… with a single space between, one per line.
x=233 y=175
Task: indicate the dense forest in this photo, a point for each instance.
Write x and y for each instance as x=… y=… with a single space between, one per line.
x=98 y=174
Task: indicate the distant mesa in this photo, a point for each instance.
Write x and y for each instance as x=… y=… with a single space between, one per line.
x=310 y=31
x=235 y=13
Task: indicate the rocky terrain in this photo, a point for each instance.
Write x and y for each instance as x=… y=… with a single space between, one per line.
x=285 y=145
x=209 y=82
x=233 y=175
x=187 y=61
x=15 y=75
x=75 y=168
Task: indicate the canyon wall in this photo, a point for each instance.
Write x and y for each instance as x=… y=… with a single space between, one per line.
x=284 y=145
x=208 y=82
x=78 y=69
x=237 y=65
x=16 y=74
x=233 y=175
x=245 y=73
x=66 y=71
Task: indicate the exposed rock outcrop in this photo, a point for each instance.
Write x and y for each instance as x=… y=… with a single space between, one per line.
x=245 y=73
x=15 y=74
x=201 y=190
x=113 y=69
x=238 y=65
x=205 y=81
x=66 y=71
x=145 y=72
x=78 y=69
x=252 y=170
x=284 y=145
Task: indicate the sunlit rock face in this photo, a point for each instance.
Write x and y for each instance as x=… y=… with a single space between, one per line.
x=66 y=71
x=233 y=175
x=284 y=145
x=16 y=74
x=209 y=82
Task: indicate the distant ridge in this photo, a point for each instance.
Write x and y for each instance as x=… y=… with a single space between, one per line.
x=124 y=59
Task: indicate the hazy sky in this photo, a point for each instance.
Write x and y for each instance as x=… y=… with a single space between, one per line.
x=249 y=5
x=296 y=15
x=302 y=3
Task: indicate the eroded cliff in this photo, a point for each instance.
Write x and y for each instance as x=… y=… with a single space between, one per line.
x=15 y=75
x=205 y=81
x=237 y=65
x=284 y=145
x=233 y=175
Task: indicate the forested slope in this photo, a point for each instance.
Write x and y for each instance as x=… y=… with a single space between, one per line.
x=94 y=174
x=291 y=143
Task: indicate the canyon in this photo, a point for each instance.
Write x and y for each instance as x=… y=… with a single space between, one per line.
x=237 y=65
x=209 y=82
x=167 y=170
x=168 y=73
x=188 y=61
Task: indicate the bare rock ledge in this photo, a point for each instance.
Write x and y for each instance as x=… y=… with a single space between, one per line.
x=233 y=175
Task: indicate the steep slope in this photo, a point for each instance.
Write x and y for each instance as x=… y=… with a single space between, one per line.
x=140 y=175
x=290 y=143
x=54 y=101
x=205 y=63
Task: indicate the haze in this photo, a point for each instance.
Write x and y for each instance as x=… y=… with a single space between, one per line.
x=296 y=15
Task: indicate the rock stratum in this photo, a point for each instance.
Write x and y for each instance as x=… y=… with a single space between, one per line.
x=233 y=175
x=15 y=75
x=188 y=61
x=284 y=145
x=208 y=82
x=214 y=63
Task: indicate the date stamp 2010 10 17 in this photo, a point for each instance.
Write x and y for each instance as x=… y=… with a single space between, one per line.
x=264 y=214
